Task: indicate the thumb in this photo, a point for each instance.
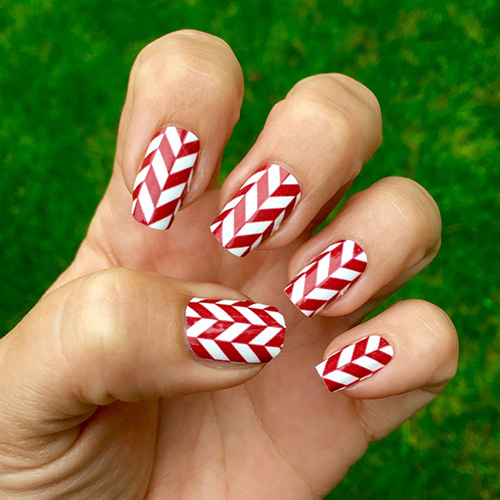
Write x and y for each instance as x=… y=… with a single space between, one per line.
x=125 y=335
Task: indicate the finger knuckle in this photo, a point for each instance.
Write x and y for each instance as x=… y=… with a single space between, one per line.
x=348 y=110
x=440 y=328
x=324 y=118
x=103 y=302
x=188 y=56
x=411 y=204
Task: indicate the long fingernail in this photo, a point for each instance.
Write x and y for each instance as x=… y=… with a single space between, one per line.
x=164 y=178
x=257 y=210
x=240 y=331
x=327 y=277
x=355 y=362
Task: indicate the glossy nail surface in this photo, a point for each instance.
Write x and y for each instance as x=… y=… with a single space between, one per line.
x=327 y=277
x=257 y=210
x=240 y=331
x=355 y=362
x=164 y=178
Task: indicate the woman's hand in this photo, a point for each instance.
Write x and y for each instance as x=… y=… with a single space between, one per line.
x=100 y=397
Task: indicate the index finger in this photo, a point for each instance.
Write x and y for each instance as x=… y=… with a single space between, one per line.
x=183 y=101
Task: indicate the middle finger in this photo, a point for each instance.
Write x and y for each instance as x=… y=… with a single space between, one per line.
x=313 y=144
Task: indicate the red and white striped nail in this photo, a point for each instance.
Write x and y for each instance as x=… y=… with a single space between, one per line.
x=257 y=210
x=327 y=277
x=355 y=362
x=240 y=331
x=165 y=176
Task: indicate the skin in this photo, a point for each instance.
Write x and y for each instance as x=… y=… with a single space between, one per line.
x=99 y=397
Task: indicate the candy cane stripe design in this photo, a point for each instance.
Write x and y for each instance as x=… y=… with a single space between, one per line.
x=327 y=277
x=165 y=176
x=355 y=362
x=257 y=210
x=239 y=331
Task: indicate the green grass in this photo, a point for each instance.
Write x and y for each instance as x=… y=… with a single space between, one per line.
x=433 y=66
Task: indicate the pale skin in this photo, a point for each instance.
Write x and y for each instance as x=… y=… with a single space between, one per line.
x=99 y=396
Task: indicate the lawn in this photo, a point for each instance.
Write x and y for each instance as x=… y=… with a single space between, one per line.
x=433 y=66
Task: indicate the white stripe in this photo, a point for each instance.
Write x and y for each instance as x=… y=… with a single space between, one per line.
x=162 y=224
x=201 y=326
x=254 y=178
x=362 y=257
x=290 y=179
x=323 y=269
x=321 y=367
x=141 y=176
x=277 y=316
x=347 y=251
x=256 y=243
x=173 y=139
x=228 y=228
x=298 y=289
x=273 y=351
x=341 y=377
x=214 y=226
x=253 y=228
x=388 y=350
x=160 y=169
x=368 y=363
x=190 y=137
x=190 y=312
x=146 y=202
x=278 y=221
x=251 y=202
x=232 y=332
x=273 y=178
x=276 y=202
x=345 y=274
x=265 y=335
x=305 y=269
x=372 y=344
x=249 y=315
x=238 y=251
x=154 y=144
x=215 y=351
x=218 y=312
x=171 y=194
x=319 y=293
x=231 y=204
x=331 y=248
x=183 y=162
x=247 y=353
x=346 y=356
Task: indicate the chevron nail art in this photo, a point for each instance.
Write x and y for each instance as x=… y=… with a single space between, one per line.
x=257 y=210
x=165 y=176
x=327 y=277
x=239 y=331
x=355 y=362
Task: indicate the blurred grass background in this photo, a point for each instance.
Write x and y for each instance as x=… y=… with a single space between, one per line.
x=434 y=67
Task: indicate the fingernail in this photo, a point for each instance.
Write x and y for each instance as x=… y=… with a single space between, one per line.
x=327 y=277
x=165 y=176
x=239 y=331
x=355 y=362
x=257 y=210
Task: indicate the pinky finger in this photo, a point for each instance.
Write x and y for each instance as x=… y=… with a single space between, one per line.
x=394 y=363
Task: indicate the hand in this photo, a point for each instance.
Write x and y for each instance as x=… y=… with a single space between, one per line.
x=100 y=397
